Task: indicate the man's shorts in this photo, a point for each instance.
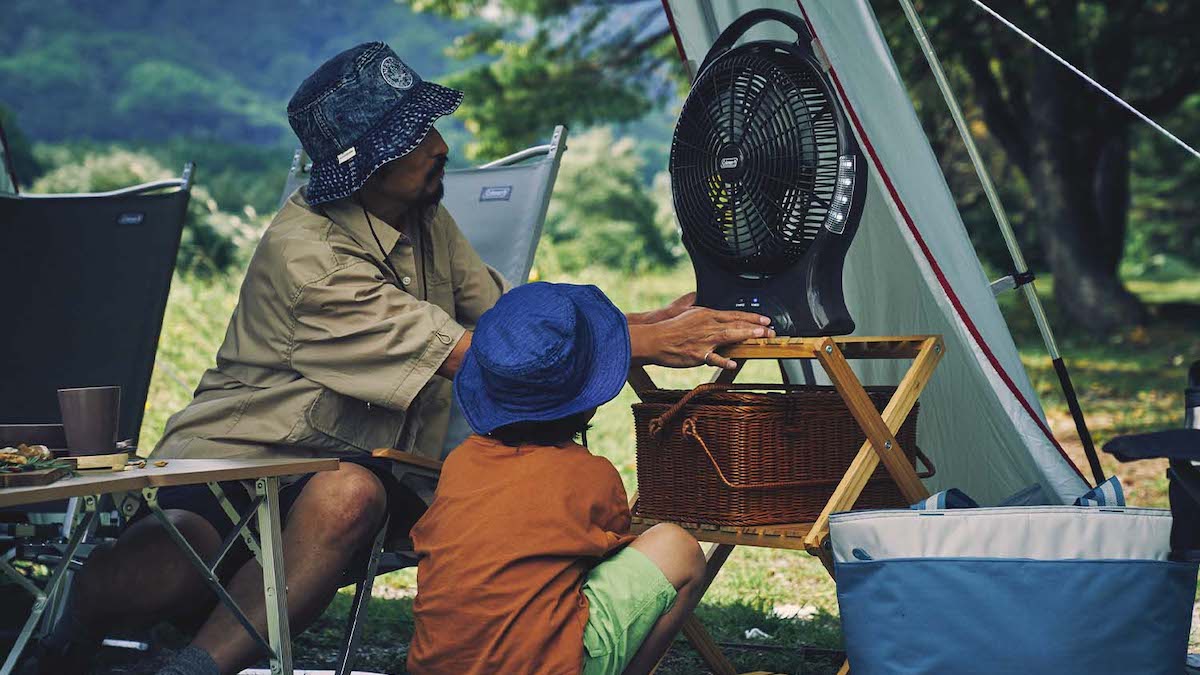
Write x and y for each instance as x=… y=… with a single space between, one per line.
x=199 y=500
x=626 y=594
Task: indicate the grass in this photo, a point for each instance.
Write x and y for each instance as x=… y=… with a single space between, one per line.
x=1127 y=382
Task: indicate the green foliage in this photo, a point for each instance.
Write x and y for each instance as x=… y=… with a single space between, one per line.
x=135 y=70
x=602 y=214
x=20 y=150
x=1164 y=237
x=1140 y=48
x=170 y=99
x=538 y=63
x=213 y=240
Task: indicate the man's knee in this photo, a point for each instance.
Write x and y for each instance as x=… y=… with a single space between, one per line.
x=674 y=551
x=349 y=503
x=147 y=545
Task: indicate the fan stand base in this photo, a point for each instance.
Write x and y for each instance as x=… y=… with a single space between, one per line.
x=881 y=446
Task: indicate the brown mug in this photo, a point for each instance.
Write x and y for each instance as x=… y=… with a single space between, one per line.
x=90 y=416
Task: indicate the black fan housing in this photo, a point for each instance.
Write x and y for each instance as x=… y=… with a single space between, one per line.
x=768 y=182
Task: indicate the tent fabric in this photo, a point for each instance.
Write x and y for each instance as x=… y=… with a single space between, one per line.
x=911 y=268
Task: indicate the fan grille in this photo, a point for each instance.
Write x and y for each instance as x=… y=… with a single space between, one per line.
x=754 y=159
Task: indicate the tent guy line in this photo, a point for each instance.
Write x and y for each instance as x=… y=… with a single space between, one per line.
x=1158 y=127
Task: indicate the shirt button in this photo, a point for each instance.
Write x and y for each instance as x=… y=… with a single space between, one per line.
x=406 y=281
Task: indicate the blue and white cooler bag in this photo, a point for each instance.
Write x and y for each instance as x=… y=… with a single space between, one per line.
x=1041 y=589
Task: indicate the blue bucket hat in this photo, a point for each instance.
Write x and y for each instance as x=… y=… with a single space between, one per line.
x=360 y=110
x=544 y=352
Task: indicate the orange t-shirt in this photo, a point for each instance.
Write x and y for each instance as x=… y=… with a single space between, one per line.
x=504 y=550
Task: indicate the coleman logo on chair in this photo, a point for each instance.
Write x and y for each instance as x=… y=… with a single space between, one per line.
x=499 y=193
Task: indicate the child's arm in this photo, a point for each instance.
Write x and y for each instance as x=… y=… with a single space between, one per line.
x=611 y=505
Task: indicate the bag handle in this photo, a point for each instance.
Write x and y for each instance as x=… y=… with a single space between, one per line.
x=689 y=430
x=658 y=424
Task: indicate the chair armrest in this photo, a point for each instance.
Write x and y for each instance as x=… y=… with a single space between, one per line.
x=408 y=458
x=1178 y=444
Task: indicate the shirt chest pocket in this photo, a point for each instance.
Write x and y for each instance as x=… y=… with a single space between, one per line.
x=350 y=422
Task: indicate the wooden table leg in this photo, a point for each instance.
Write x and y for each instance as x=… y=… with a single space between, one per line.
x=881 y=443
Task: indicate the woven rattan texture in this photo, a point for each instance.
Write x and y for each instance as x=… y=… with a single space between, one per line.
x=799 y=442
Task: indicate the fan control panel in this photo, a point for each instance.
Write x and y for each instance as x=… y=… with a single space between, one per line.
x=760 y=304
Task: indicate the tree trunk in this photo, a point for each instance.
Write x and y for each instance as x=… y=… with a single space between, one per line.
x=1078 y=171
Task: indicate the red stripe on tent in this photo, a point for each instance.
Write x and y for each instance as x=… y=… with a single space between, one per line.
x=933 y=264
x=675 y=32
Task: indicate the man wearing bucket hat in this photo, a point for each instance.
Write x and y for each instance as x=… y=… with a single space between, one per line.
x=355 y=311
x=526 y=563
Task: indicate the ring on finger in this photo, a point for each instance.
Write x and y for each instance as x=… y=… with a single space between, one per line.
x=706 y=355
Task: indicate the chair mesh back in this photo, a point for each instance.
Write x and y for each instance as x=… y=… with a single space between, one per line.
x=85 y=283
x=501 y=211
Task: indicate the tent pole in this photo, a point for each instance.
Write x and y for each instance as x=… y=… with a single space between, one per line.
x=1010 y=240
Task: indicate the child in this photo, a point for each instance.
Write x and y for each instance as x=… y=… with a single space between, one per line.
x=526 y=560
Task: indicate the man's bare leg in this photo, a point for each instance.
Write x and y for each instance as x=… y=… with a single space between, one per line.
x=679 y=557
x=335 y=516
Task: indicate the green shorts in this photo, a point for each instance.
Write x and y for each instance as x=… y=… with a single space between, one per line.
x=626 y=594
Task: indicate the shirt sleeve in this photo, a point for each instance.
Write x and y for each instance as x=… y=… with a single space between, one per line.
x=477 y=286
x=613 y=513
x=361 y=336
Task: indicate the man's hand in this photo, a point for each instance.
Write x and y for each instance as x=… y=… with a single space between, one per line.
x=692 y=337
x=680 y=305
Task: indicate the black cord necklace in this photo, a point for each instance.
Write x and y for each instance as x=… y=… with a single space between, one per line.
x=418 y=251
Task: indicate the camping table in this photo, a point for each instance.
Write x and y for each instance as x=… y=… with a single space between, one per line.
x=881 y=446
x=132 y=487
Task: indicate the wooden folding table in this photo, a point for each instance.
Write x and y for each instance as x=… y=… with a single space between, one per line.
x=881 y=445
x=133 y=487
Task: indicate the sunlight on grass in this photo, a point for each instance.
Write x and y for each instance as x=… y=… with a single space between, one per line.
x=1127 y=383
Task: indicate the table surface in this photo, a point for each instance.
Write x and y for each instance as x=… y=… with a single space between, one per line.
x=176 y=472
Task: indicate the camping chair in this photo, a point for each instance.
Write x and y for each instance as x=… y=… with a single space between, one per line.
x=500 y=207
x=1182 y=448
x=86 y=279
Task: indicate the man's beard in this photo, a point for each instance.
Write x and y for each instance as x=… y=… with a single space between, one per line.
x=431 y=199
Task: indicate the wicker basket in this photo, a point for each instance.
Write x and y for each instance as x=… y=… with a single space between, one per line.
x=723 y=455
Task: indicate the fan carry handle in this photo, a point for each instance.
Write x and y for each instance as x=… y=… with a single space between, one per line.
x=745 y=22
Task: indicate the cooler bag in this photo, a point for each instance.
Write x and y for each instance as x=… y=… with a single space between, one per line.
x=1043 y=589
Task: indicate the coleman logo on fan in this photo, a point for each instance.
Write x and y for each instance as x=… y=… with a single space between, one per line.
x=729 y=163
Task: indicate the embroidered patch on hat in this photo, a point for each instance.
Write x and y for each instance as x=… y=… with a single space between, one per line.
x=395 y=73
x=347 y=155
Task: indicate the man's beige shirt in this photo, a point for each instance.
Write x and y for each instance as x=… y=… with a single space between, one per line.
x=328 y=352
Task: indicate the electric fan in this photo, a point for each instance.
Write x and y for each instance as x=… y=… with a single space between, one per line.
x=768 y=182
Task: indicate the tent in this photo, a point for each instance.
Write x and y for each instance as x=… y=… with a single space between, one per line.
x=912 y=268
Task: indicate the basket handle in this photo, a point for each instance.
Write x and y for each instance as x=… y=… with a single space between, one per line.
x=658 y=424
x=689 y=430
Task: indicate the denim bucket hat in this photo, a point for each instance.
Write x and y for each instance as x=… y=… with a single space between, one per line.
x=360 y=110
x=544 y=352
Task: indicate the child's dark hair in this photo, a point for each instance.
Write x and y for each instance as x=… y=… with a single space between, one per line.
x=554 y=432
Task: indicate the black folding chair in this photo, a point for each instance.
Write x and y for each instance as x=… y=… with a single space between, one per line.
x=84 y=281
x=1182 y=448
